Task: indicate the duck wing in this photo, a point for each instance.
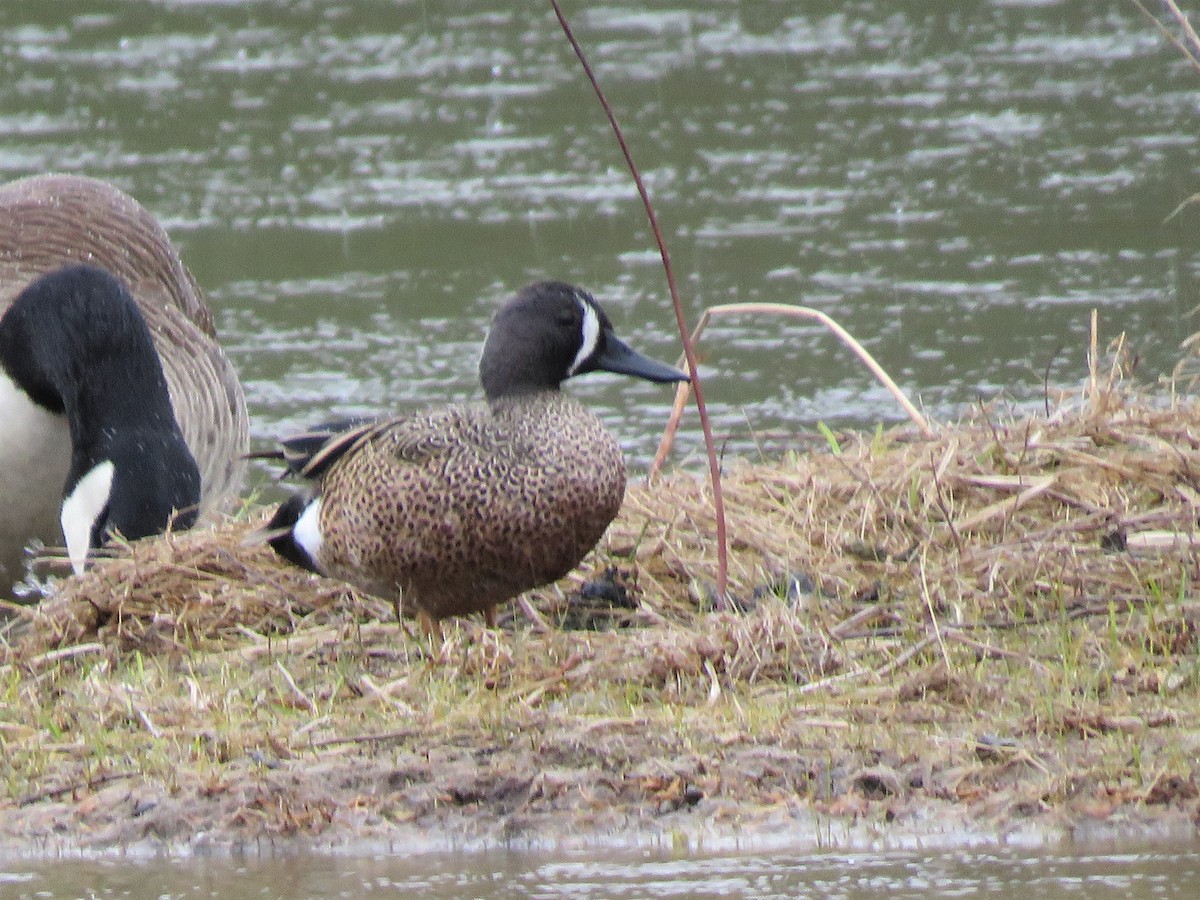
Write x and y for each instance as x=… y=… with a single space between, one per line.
x=310 y=453
x=410 y=439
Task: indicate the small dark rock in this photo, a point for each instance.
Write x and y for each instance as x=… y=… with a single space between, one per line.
x=878 y=782
x=602 y=604
x=792 y=587
x=869 y=594
x=609 y=588
x=990 y=748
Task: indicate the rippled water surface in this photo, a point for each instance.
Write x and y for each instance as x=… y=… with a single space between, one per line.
x=1097 y=875
x=359 y=184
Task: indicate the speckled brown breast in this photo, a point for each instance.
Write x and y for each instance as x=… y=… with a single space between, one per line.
x=49 y=221
x=464 y=507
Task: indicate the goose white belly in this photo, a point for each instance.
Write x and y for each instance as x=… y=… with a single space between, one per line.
x=35 y=453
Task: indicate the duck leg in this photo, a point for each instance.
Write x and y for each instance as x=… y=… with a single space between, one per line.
x=431 y=626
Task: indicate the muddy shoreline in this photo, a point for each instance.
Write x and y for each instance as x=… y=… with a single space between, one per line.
x=347 y=808
x=544 y=780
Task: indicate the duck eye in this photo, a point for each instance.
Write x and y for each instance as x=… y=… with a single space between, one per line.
x=567 y=320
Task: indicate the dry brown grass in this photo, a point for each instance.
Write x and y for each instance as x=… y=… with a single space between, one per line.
x=1002 y=615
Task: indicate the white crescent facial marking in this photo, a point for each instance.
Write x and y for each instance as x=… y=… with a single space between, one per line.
x=81 y=509
x=307 y=530
x=590 y=334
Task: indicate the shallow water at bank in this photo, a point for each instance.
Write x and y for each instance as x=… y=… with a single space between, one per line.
x=1095 y=873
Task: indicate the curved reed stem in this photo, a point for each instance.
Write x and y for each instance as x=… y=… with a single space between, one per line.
x=797 y=312
x=689 y=353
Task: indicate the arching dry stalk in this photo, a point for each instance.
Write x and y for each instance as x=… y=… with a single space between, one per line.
x=689 y=353
x=1189 y=43
x=797 y=312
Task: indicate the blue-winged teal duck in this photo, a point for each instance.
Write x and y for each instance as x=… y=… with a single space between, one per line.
x=460 y=508
x=119 y=408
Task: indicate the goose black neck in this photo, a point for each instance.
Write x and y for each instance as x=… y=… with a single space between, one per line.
x=75 y=341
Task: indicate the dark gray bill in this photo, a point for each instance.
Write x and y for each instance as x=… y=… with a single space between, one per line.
x=622 y=359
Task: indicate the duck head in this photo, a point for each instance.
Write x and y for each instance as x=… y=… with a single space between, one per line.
x=551 y=331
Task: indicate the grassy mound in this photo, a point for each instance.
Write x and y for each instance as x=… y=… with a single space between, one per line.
x=999 y=621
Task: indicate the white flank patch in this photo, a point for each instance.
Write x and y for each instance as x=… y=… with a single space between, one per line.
x=590 y=335
x=307 y=530
x=82 y=508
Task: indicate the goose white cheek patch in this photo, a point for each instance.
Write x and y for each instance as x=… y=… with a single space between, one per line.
x=307 y=530
x=590 y=335
x=81 y=510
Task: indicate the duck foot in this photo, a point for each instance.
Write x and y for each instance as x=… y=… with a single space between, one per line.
x=431 y=627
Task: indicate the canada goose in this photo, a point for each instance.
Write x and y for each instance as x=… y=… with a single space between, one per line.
x=460 y=508
x=49 y=225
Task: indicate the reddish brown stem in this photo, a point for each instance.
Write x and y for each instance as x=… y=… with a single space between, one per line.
x=714 y=467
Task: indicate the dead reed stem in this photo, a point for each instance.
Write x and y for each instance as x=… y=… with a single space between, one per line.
x=782 y=309
x=1189 y=43
x=689 y=352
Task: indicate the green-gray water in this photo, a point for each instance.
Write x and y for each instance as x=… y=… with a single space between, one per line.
x=358 y=184
x=1096 y=874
